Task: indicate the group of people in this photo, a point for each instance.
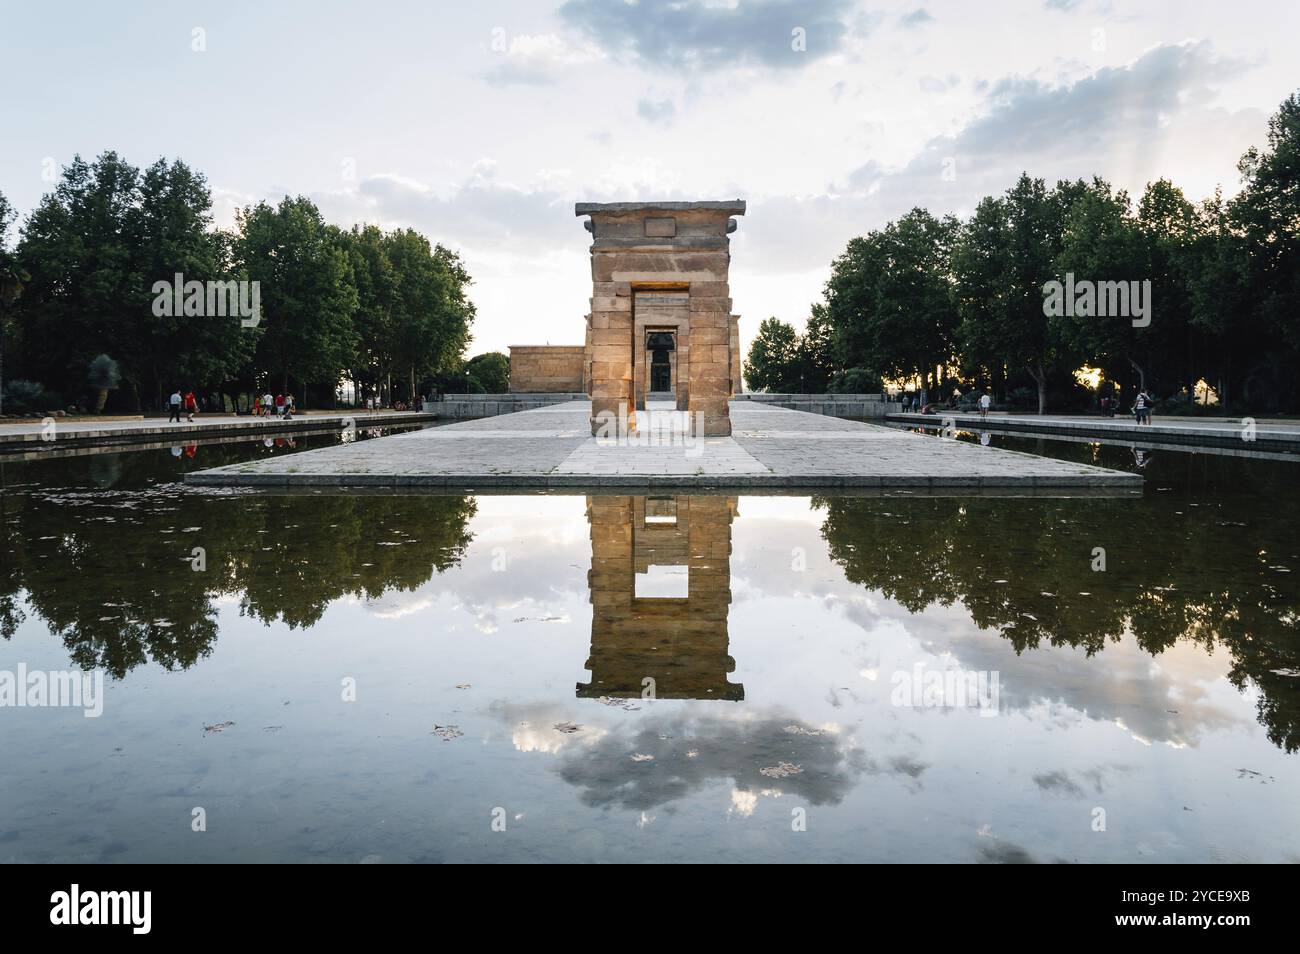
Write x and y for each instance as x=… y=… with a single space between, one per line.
x=281 y=405
x=178 y=404
x=264 y=405
x=912 y=402
x=1142 y=405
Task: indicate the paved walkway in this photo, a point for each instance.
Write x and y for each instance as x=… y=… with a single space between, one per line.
x=36 y=435
x=769 y=448
x=1183 y=430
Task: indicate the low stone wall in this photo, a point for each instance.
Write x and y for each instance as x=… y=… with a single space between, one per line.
x=490 y=405
x=548 y=369
x=832 y=405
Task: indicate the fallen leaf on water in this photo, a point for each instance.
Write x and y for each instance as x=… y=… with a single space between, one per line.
x=447 y=732
x=568 y=728
x=616 y=703
x=800 y=730
x=217 y=726
x=780 y=770
x=639 y=757
x=462 y=685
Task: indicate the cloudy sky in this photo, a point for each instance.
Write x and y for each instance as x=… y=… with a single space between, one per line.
x=481 y=124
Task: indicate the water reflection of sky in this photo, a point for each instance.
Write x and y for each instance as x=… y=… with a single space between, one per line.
x=1164 y=744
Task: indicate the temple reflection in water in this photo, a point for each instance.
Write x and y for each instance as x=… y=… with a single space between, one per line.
x=660 y=585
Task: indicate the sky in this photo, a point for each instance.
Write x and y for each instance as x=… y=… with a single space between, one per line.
x=480 y=124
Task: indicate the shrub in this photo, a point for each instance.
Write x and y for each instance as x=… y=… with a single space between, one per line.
x=24 y=397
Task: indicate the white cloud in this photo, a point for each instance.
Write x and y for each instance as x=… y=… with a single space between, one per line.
x=540 y=60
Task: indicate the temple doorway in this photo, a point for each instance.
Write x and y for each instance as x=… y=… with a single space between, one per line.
x=660 y=346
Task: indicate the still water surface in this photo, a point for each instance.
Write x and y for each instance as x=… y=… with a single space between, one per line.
x=367 y=677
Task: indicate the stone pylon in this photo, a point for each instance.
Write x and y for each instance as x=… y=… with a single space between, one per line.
x=656 y=268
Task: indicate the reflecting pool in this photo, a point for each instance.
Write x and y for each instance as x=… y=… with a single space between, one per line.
x=349 y=677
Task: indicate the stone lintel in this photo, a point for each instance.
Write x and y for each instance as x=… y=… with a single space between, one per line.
x=731 y=207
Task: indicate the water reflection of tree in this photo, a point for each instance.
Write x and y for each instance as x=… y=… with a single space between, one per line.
x=306 y=557
x=1024 y=568
x=111 y=574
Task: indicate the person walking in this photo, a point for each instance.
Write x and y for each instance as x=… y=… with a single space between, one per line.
x=279 y=405
x=1142 y=407
x=191 y=406
x=174 y=407
x=985 y=403
x=288 y=407
x=268 y=403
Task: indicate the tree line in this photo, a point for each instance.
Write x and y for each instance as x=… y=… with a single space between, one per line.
x=936 y=303
x=87 y=316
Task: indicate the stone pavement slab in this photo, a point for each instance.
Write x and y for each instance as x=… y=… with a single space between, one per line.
x=769 y=448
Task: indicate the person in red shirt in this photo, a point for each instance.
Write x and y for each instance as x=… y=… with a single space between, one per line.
x=191 y=406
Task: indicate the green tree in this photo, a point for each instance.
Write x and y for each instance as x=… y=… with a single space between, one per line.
x=488 y=373
x=1007 y=252
x=376 y=285
x=773 y=361
x=12 y=279
x=816 y=352
x=456 y=314
x=1102 y=243
x=86 y=295
x=889 y=300
x=1266 y=213
x=307 y=292
x=1169 y=227
x=431 y=312
x=95 y=248
x=104 y=376
x=173 y=222
x=1222 y=305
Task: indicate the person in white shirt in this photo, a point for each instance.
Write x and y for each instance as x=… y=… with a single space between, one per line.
x=985 y=403
x=1142 y=407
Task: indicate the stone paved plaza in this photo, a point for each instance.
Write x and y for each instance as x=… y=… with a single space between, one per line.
x=769 y=448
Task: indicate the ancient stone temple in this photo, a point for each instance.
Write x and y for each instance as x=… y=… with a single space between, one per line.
x=661 y=325
x=660 y=586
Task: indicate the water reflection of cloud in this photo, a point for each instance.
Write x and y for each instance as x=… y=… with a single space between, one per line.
x=532 y=727
x=1165 y=699
x=506 y=573
x=1093 y=781
x=692 y=752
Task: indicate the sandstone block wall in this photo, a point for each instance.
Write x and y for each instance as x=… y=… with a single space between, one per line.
x=548 y=369
x=641 y=248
